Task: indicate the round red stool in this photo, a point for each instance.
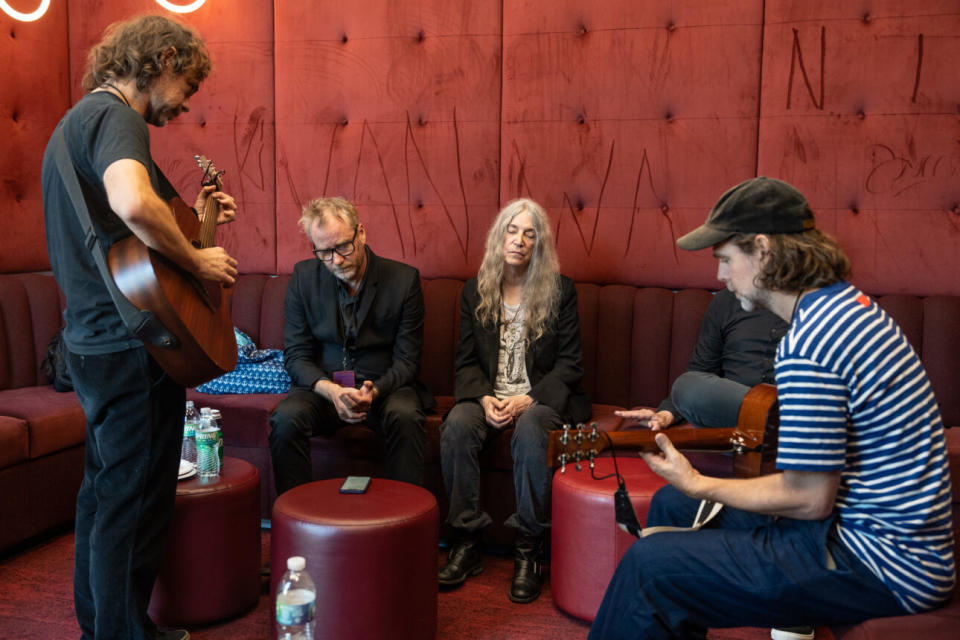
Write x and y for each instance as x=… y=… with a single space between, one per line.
x=586 y=542
x=211 y=569
x=372 y=556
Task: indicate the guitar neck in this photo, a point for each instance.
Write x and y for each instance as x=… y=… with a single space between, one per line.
x=705 y=439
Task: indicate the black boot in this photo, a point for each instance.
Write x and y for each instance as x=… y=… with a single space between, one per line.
x=527 y=569
x=465 y=560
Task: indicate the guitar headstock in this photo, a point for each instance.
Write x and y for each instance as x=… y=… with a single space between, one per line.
x=210 y=173
x=575 y=445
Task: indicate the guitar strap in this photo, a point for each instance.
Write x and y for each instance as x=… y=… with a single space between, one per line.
x=705 y=513
x=627 y=518
x=142 y=323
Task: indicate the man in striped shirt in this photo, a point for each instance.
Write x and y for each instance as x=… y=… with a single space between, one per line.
x=858 y=523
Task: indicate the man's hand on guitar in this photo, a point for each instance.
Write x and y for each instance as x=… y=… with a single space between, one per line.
x=227 y=205
x=672 y=466
x=216 y=265
x=656 y=420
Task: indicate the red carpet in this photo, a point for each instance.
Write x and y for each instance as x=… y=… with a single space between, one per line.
x=36 y=603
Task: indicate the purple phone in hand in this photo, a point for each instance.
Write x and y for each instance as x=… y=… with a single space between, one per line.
x=345 y=379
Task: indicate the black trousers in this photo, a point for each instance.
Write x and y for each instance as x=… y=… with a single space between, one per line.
x=125 y=504
x=397 y=418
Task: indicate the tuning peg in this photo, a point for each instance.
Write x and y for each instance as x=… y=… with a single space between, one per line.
x=565 y=438
x=563 y=463
x=594 y=432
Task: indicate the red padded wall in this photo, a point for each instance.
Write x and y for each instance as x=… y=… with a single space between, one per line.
x=627 y=120
x=33 y=95
x=395 y=106
x=859 y=110
x=230 y=119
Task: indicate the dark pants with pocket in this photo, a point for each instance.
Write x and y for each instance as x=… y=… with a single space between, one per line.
x=462 y=436
x=398 y=419
x=741 y=569
x=125 y=505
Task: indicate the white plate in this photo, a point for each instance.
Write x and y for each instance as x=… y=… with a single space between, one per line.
x=188 y=474
x=186 y=467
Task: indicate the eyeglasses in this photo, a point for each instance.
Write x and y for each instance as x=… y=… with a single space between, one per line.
x=343 y=249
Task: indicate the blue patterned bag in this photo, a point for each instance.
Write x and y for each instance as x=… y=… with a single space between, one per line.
x=258 y=371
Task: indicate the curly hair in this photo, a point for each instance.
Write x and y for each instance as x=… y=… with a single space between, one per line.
x=134 y=48
x=797 y=261
x=541 y=286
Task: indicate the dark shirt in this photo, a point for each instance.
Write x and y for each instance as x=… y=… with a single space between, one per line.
x=735 y=344
x=389 y=326
x=99 y=130
x=554 y=361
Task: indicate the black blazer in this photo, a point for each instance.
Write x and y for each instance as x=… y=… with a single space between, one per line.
x=389 y=320
x=554 y=361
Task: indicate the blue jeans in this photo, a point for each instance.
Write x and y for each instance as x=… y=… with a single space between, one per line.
x=462 y=436
x=708 y=400
x=125 y=504
x=742 y=569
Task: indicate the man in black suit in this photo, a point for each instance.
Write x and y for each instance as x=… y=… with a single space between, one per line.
x=352 y=343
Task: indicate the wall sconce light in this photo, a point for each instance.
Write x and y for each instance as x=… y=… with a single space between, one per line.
x=178 y=8
x=25 y=17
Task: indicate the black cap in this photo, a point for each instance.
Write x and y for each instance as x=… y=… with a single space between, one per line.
x=758 y=205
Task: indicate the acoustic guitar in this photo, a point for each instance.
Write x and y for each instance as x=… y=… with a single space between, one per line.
x=197 y=312
x=754 y=439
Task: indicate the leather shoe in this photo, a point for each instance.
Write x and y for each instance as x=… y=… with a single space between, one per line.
x=527 y=570
x=465 y=560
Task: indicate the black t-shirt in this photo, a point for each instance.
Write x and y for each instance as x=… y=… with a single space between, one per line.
x=735 y=344
x=99 y=130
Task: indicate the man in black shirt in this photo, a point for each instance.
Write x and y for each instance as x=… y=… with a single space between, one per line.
x=735 y=351
x=352 y=343
x=144 y=71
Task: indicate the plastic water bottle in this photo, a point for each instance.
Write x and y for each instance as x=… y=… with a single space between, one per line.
x=188 y=450
x=208 y=459
x=296 y=602
x=218 y=423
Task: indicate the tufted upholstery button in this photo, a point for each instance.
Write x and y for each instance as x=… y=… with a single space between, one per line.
x=668 y=116
x=867 y=18
x=343 y=38
x=671 y=26
x=582 y=119
x=15 y=116
x=582 y=29
x=854 y=209
x=579 y=205
x=421 y=121
x=861 y=114
x=344 y=122
x=421 y=36
x=664 y=207
x=203 y=123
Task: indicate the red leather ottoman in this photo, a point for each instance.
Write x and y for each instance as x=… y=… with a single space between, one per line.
x=372 y=556
x=211 y=569
x=586 y=542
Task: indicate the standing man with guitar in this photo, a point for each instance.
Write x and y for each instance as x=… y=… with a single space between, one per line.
x=858 y=523
x=143 y=71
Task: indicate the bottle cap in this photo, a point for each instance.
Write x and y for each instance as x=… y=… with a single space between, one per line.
x=189 y=403
x=296 y=563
